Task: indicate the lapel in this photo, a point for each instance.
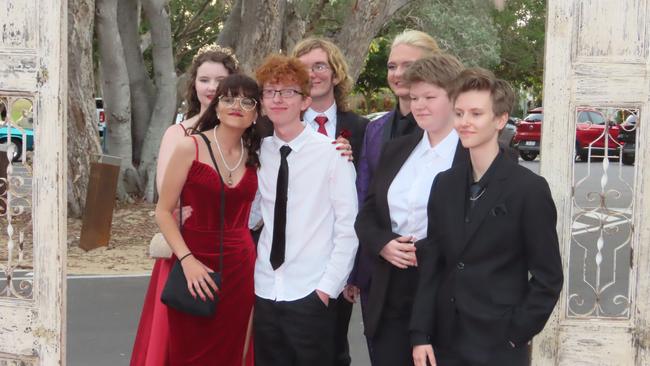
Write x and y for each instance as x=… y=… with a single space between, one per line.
x=495 y=189
x=394 y=155
x=341 y=123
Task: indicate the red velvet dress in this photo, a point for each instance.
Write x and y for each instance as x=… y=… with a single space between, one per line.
x=167 y=337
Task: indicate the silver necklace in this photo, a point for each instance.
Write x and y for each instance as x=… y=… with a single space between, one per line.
x=479 y=195
x=223 y=158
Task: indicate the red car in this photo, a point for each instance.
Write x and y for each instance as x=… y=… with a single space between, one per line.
x=590 y=134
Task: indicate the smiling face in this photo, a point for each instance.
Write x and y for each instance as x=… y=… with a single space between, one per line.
x=475 y=121
x=321 y=74
x=232 y=114
x=431 y=107
x=208 y=76
x=283 y=110
x=400 y=58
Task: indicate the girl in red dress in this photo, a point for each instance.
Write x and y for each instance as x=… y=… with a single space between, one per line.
x=211 y=65
x=227 y=129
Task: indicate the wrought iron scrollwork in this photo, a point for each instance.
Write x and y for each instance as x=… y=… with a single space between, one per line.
x=602 y=220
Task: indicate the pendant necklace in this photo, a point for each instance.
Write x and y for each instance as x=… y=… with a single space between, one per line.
x=223 y=158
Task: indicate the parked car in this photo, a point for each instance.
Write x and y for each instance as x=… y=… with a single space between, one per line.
x=590 y=134
x=627 y=136
x=17 y=139
x=101 y=116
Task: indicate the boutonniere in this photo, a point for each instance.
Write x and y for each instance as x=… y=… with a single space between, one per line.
x=345 y=133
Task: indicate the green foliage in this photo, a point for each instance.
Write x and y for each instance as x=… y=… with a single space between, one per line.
x=373 y=75
x=194 y=24
x=521 y=27
x=462 y=27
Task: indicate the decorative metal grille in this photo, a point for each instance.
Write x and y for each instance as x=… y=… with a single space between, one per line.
x=16 y=244
x=602 y=231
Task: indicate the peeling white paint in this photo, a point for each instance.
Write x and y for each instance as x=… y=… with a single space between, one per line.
x=33 y=63
x=596 y=55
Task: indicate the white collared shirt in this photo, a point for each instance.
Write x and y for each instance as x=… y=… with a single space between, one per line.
x=321 y=208
x=330 y=126
x=408 y=194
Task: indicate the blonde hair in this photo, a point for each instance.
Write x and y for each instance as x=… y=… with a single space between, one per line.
x=337 y=63
x=418 y=39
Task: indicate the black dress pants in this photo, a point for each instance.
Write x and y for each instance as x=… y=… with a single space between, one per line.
x=341 y=346
x=293 y=333
x=390 y=345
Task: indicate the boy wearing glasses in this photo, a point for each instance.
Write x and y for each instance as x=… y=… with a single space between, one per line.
x=307 y=246
x=329 y=114
x=489 y=276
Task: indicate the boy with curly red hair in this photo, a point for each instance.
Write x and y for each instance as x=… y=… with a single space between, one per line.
x=308 y=203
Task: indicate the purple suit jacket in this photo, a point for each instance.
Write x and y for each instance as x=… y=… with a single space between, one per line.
x=370 y=151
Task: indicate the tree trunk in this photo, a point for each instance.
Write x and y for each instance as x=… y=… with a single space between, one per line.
x=263 y=35
x=128 y=17
x=230 y=31
x=364 y=21
x=83 y=141
x=165 y=79
x=294 y=28
x=117 y=96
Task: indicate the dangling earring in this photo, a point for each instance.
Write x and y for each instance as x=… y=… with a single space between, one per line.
x=218 y=116
x=254 y=121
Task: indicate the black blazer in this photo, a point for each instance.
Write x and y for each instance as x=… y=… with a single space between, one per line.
x=474 y=293
x=373 y=224
x=350 y=121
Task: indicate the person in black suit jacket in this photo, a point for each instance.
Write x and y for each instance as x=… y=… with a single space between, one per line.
x=329 y=115
x=475 y=302
x=394 y=213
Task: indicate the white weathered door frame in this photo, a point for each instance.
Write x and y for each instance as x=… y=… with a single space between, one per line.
x=33 y=65
x=596 y=55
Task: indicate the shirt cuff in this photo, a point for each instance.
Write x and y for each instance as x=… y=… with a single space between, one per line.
x=419 y=338
x=330 y=288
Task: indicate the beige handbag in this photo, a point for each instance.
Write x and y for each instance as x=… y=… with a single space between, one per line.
x=158 y=247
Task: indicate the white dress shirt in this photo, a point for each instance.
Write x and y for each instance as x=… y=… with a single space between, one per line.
x=321 y=208
x=408 y=194
x=330 y=126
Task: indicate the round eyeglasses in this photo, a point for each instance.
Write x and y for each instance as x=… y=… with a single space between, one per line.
x=247 y=104
x=319 y=67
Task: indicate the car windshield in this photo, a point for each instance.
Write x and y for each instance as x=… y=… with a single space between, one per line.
x=99 y=103
x=534 y=117
x=591 y=117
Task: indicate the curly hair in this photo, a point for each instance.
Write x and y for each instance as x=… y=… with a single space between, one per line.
x=284 y=70
x=337 y=63
x=236 y=85
x=227 y=59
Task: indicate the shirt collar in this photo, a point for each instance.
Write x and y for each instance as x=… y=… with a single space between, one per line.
x=330 y=113
x=297 y=143
x=445 y=148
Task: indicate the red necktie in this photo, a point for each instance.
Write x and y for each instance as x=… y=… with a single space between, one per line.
x=321 y=120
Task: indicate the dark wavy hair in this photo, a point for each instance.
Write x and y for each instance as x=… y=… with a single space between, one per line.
x=236 y=85
x=226 y=59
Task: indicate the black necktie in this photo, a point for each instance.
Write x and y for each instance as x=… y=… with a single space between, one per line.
x=280 y=211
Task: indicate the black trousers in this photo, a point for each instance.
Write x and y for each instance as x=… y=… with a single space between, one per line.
x=294 y=333
x=341 y=346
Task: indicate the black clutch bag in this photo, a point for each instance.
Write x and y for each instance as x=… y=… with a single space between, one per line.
x=175 y=294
